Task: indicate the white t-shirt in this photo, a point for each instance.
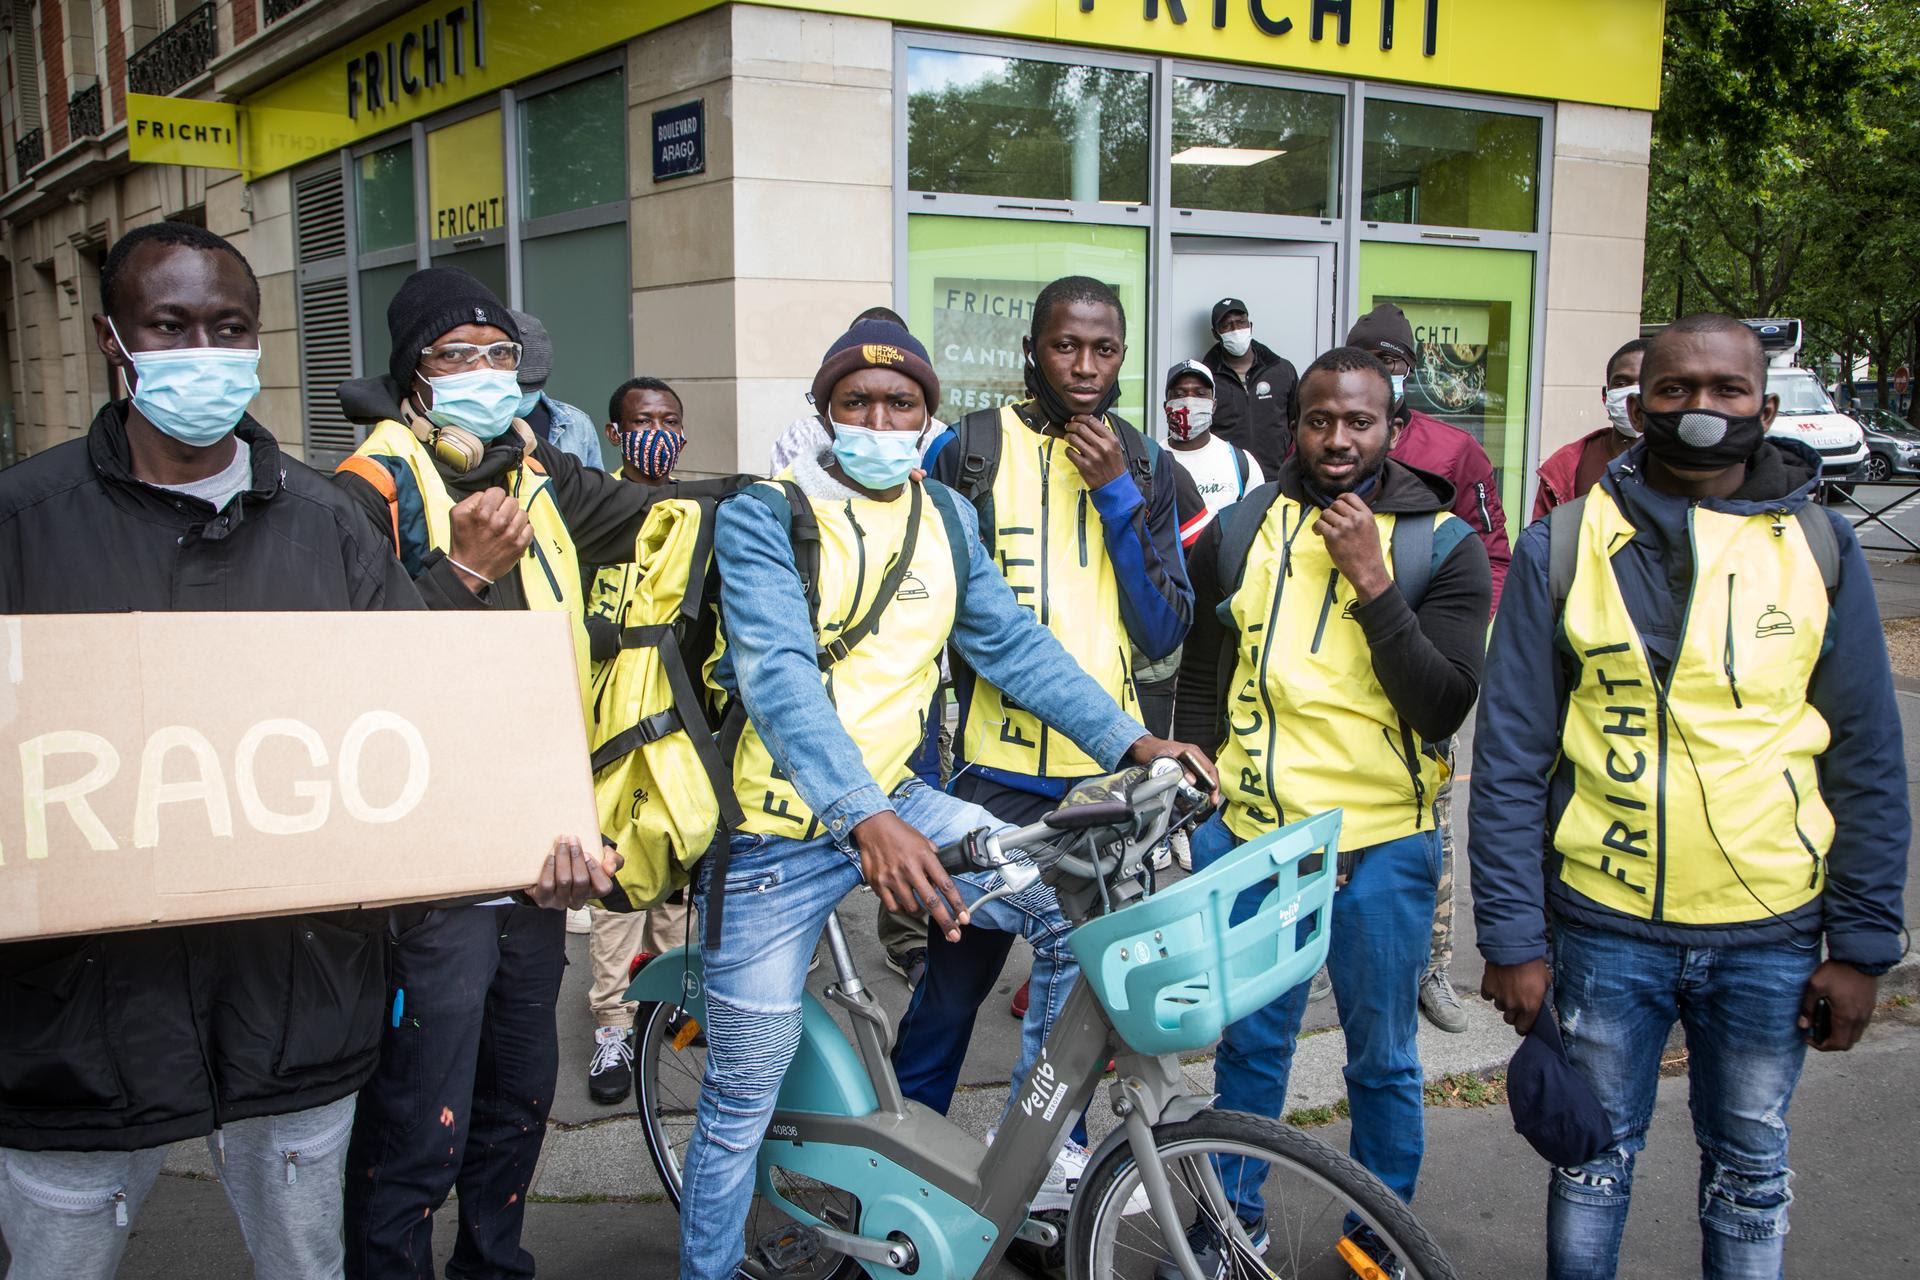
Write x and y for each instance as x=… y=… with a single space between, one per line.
x=1216 y=474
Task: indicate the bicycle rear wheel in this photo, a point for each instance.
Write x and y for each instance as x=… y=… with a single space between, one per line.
x=1313 y=1194
x=666 y=1086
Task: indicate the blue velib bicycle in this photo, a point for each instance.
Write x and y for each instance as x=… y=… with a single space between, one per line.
x=854 y=1178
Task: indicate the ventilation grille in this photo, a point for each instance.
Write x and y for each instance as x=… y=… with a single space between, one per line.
x=326 y=361
x=26 y=67
x=320 y=215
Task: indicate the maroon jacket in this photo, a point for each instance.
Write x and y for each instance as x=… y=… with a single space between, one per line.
x=1560 y=474
x=1432 y=445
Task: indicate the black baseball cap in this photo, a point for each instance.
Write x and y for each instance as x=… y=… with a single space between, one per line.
x=1554 y=1108
x=1224 y=307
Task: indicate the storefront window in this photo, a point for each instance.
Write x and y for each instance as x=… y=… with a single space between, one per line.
x=383 y=194
x=1450 y=166
x=1472 y=316
x=984 y=125
x=974 y=282
x=377 y=287
x=576 y=284
x=1254 y=149
x=573 y=147
x=466 y=178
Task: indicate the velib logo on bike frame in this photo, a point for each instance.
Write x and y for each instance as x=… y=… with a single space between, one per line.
x=1045 y=1090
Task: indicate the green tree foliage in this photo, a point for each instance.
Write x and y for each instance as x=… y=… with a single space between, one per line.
x=1785 y=173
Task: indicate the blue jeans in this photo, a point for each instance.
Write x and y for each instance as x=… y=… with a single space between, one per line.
x=779 y=893
x=1618 y=997
x=1377 y=954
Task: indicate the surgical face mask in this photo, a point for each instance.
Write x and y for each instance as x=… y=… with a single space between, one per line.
x=1189 y=416
x=1701 y=439
x=481 y=401
x=194 y=394
x=875 y=459
x=1399 y=381
x=651 y=451
x=527 y=401
x=1237 y=342
x=1617 y=410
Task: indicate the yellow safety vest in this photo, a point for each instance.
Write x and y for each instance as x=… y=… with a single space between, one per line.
x=656 y=801
x=1052 y=549
x=422 y=521
x=883 y=688
x=1309 y=727
x=1697 y=803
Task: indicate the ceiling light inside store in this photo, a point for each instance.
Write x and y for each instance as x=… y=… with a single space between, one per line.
x=1237 y=156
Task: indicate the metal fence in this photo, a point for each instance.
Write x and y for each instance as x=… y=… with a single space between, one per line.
x=29 y=152
x=278 y=9
x=84 y=117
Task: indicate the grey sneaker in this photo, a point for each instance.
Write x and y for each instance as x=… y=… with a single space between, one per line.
x=1211 y=1252
x=1322 y=986
x=1441 y=1004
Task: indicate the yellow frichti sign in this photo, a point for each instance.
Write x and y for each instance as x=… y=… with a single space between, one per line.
x=466 y=177
x=1600 y=51
x=182 y=131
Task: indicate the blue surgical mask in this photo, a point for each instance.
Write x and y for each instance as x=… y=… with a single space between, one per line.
x=481 y=401
x=875 y=459
x=1399 y=381
x=194 y=394
x=527 y=402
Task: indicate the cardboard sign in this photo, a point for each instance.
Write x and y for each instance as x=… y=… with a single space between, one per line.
x=169 y=768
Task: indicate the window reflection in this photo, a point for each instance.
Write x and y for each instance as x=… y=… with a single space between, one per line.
x=1254 y=149
x=1449 y=167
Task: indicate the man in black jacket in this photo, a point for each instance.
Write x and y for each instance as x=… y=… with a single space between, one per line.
x=1256 y=394
x=252 y=1033
x=484 y=514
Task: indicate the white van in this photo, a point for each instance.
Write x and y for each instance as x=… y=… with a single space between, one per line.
x=1807 y=415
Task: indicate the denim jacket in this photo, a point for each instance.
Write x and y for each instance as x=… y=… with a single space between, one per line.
x=770 y=662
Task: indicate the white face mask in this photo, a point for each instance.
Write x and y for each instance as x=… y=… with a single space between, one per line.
x=1189 y=416
x=1399 y=381
x=1617 y=410
x=1237 y=342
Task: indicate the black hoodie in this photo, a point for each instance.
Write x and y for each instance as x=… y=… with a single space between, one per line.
x=1428 y=659
x=1257 y=414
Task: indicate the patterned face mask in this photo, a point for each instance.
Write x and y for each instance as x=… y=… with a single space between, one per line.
x=652 y=451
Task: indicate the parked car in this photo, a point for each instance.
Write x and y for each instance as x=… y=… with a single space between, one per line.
x=1807 y=415
x=1893 y=445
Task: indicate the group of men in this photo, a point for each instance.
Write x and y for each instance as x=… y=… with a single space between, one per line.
x=1691 y=801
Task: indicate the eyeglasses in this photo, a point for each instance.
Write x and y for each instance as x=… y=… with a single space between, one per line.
x=451 y=356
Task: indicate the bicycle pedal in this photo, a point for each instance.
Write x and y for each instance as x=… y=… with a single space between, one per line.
x=788 y=1248
x=1044 y=1262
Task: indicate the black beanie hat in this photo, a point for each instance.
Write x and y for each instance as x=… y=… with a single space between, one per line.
x=875 y=344
x=1384 y=327
x=431 y=302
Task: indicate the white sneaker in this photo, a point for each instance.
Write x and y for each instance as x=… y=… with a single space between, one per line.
x=1162 y=858
x=1182 y=850
x=579 y=920
x=1063 y=1179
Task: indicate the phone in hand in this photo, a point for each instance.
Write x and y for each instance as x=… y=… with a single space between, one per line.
x=1820 y=1027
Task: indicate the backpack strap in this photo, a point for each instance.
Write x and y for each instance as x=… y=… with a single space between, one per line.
x=1563 y=549
x=1240 y=465
x=945 y=499
x=977 y=437
x=1239 y=526
x=382 y=481
x=795 y=514
x=1140 y=454
x=1412 y=543
x=836 y=650
x=1822 y=542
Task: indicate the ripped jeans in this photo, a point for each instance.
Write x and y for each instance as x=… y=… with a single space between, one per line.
x=779 y=893
x=1618 y=997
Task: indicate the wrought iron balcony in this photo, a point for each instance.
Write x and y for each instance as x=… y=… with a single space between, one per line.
x=29 y=152
x=176 y=56
x=278 y=9
x=84 y=119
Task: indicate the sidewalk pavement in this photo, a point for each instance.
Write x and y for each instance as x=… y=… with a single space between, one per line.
x=1856 y=1156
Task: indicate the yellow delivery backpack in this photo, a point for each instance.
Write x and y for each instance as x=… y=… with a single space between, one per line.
x=662 y=790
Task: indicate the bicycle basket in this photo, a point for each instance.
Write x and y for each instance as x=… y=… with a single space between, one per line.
x=1171 y=970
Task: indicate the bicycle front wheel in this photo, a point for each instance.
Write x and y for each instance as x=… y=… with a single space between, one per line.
x=667 y=1069
x=1325 y=1215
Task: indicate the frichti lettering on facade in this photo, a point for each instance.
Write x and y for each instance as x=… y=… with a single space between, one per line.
x=172 y=132
x=443 y=47
x=1262 y=13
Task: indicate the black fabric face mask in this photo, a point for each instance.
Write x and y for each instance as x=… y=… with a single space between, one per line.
x=1051 y=405
x=1701 y=439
